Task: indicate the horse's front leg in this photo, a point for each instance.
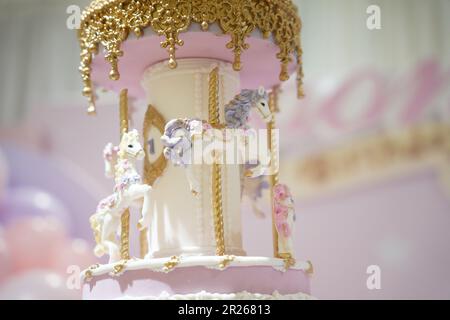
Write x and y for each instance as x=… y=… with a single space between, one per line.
x=108 y=237
x=194 y=184
x=138 y=192
x=267 y=167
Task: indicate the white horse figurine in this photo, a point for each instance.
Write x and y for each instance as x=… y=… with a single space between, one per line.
x=179 y=133
x=128 y=191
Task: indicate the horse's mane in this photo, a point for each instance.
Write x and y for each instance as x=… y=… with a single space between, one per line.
x=170 y=141
x=238 y=109
x=110 y=155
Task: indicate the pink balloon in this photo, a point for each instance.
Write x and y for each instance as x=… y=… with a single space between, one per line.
x=33 y=241
x=5 y=263
x=76 y=252
x=30 y=201
x=38 y=285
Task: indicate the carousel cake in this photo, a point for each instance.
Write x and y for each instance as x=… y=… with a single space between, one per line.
x=202 y=67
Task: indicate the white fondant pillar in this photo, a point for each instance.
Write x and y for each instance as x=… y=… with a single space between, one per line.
x=181 y=222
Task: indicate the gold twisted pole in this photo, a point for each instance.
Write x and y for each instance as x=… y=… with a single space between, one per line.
x=143 y=244
x=273 y=104
x=214 y=119
x=125 y=218
x=214 y=112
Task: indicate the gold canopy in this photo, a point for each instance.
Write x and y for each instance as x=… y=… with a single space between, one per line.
x=109 y=22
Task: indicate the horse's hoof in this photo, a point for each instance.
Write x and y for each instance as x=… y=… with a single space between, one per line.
x=248 y=174
x=194 y=193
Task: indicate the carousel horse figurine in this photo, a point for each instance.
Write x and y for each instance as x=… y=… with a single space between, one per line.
x=177 y=139
x=284 y=219
x=179 y=133
x=237 y=114
x=128 y=191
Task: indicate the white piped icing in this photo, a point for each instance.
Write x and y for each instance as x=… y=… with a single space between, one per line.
x=244 y=295
x=210 y=262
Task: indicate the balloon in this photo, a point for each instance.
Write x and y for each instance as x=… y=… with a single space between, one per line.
x=76 y=252
x=28 y=201
x=5 y=265
x=32 y=242
x=3 y=175
x=38 y=285
x=62 y=179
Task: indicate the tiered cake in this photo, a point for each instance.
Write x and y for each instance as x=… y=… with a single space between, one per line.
x=190 y=191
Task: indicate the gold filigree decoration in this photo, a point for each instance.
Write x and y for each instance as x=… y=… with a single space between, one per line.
x=289 y=261
x=88 y=274
x=214 y=120
x=119 y=268
x=152 y=170
x=171 y=264
x=109 y=22
x=226 y=261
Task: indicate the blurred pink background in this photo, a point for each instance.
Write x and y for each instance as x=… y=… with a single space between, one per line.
x=367 y=152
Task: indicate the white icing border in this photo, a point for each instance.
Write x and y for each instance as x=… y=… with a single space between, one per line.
x=210 y=262
x=243 y=295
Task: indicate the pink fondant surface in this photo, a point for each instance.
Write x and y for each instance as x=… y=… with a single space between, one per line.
x=142 y=283
x=259 y=63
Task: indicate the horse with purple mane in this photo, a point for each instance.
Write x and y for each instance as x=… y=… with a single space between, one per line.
x=179 y=134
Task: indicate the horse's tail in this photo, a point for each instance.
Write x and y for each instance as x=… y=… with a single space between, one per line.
x=99 y=249
x=110 y=153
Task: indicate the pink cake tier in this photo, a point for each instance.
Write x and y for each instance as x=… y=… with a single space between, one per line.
x=198 y=278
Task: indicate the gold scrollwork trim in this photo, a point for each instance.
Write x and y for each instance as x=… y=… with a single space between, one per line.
x=171 y=263
x=226 y=262
x=119 y=268
x=152 y=170
x=88 y=275
x=109 y=22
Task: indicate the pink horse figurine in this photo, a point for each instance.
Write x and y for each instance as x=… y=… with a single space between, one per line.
x=284 y=219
